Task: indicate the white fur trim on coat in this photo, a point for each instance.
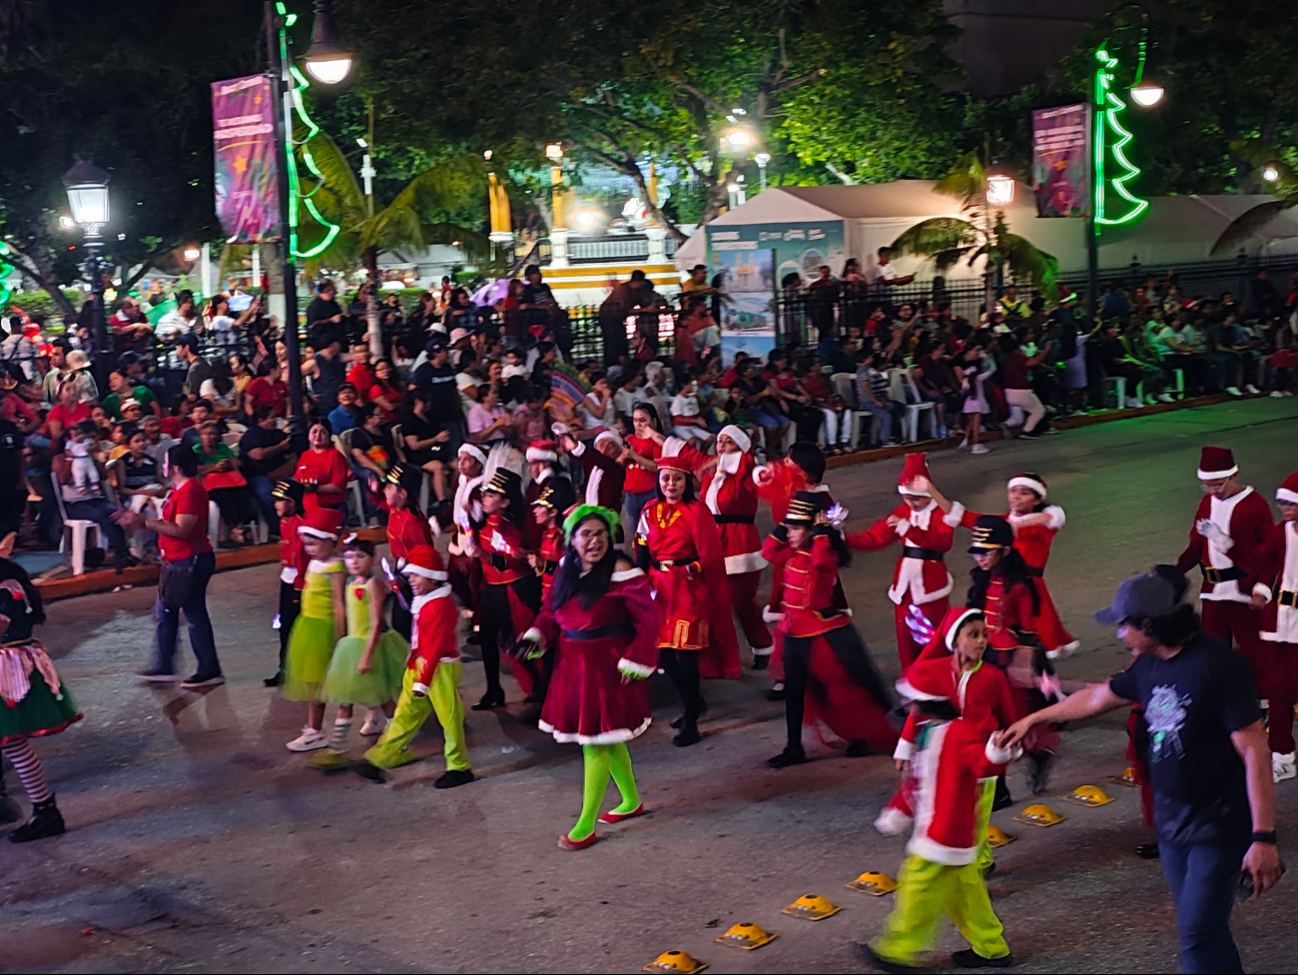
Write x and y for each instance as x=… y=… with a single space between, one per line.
x=948 y=856
x=1000 y=756
x=603 y=738
x=626 y=574
x=908 y=692
x=953 y=517
x=771 y=616
x=892 y=821
x=904 y=750
x=626 y=666
x=902 y=527
x=748 y=562
x=532 y=634
x=1056 y=516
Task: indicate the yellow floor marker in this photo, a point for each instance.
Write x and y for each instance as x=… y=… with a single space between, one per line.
x=746 y=935
x=1089 y=795
x=873 y=882
x=1127 y=778
x=997 y=837
x=675 y=963
x=1039 y=814
x=811 y=907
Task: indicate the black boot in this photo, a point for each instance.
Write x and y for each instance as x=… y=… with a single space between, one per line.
x=1039 y=765
x=1148 y=851
x=858 y=748
x=679 y=720
x=688 y=735
x=1002 y=799
x=492 y=699
x=453 y=778
x=792 y=755
x=46 y=821
x=273 y=681
x=776 y=692
x=761 y=661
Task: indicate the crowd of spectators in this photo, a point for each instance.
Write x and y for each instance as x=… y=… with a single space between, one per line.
x=214 y=379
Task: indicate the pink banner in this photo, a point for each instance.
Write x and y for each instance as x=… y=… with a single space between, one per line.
x=243 y=129
x=1061 y=160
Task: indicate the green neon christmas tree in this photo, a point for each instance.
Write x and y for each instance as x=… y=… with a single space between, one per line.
x=1114 y=201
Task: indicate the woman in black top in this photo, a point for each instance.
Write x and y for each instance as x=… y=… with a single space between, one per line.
x=139 y=485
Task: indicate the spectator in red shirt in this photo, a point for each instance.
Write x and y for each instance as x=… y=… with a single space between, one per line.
x=187 y=567
x=69 y=410
x=268 y=390
x=360 y=374
x=323 y=471
x=385 y=392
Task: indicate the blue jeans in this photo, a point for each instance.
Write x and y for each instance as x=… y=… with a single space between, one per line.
x=201 y=639
x=635 y=502
x=1202 y=878
x=885 y=412
x=100 y=510
x=261 y=486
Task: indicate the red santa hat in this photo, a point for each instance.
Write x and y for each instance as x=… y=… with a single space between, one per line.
x=1288 y=491
x=926 y=680
x=916 y=466
x=675 y=463
x=474 y=451
x=1216 y=464
x=1029 y=480
x=423 y=560
x=942 y=643
x=542 y=451
x=608 y=435
x=322 y=523
x=741 y=439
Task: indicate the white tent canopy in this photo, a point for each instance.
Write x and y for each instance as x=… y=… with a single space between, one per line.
x=1175 y=229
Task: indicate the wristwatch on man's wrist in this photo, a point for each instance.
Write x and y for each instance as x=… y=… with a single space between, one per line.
x=1264 y=836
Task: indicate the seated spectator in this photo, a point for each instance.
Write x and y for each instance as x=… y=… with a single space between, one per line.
x=225 y=484
x=326 y=371
x=137 y=478
x=530 y=420
x=386 y=392
x=838 y=419
x=241 y=375
x=598 y=408
x=1176 y=351
x=265 y=456
x=84 y=497
x=270 y=390
x=360 y=375
x=488 y=421
x=873 y=385
x=323 y=471
x=686 y=421
x=932 y=378
x=122 y=389
x=13 y=406
x=158 y=442
x=220 y=390
x=68 y=411
x=372 y=453
x=346 y=415
x=1111 y=359
x=786 y=385
x=427 y=442
x=199 y=413
x=1026 y=409
x=753 y=397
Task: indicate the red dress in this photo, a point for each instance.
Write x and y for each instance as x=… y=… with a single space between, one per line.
x=920 y=583
x=1012 y=623
x=688 y=573
x=1033 y=543
x=850 y=709
x=730 y=493
x=587 y=701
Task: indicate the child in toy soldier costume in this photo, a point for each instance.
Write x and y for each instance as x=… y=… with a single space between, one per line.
x=288 y=495
x=548 y=511
x=431 y=681
x=827 y=670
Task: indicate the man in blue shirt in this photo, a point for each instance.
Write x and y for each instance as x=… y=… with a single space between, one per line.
x=1209 y=761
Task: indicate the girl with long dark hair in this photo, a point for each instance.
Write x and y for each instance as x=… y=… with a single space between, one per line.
x=602 y=622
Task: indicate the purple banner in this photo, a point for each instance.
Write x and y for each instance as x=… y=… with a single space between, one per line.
x=243 y=130
x=1061 y=160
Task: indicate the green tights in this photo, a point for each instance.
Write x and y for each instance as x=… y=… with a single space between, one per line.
x=603 y=761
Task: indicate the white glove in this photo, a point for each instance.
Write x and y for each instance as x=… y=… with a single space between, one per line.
x=1217 y=538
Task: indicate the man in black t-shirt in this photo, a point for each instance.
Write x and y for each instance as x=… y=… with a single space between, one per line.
x=437 y=375
x=1209 y=762
x=324 y=316
x=263 y=452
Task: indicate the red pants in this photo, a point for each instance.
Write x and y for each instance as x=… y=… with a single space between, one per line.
x=743 y=597
x=1278 y=683
x=909 y=648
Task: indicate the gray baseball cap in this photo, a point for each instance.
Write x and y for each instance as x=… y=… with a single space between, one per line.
x=1139 y=597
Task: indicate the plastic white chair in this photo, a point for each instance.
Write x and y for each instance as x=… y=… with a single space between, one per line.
x=78 y=528
x=1117 y=386
x=915 y=406
x=343 y=442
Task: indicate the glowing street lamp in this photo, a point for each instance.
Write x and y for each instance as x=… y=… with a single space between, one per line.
x=762 y=158
x=87 y=187
x=1271 y=173
x=738 y=139
x=1000 y=188
x=326 y=61
x=1147 y=93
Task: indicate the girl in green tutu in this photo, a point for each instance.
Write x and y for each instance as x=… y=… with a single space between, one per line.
x=369 y=662
x=316 y=629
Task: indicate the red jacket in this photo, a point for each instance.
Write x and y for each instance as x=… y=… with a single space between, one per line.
x=406 y=531
x=808 y=579
x=604 y=476
x=292 y=556
x=549 y=553
x=982 y=696
x=433 y=636
x=1275 y=566
x=503 y=550
x=730 y=493
x=1011 y=618
x=1246 y=519
x=917 y=579
x=953 y=760
x=629 y=600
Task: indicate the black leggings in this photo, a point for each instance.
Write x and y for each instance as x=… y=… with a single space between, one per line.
x=850 y=650
x=290 y=604
x=682 y=667
x=235 y=504
x=495 y=626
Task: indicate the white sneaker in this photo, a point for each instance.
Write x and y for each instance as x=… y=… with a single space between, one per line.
x=978 y=448
x=309 y=740
x=1283 y=766
x=1133 y=403
x=1067 y=650
x=964 y=444
x=1288 y=392
x=374 y=724
x=1251 y=389
x=1234 y=391
x=1277 y=394
x=1166 y=398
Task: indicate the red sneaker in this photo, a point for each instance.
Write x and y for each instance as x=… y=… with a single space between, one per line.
x=611 y=818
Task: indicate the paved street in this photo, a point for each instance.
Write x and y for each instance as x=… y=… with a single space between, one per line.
x=198 y=842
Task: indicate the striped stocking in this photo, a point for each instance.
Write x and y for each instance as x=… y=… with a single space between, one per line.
x=28 y=767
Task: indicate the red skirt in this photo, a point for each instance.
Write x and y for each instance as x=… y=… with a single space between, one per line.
x=842 y=701
x=587 y=702
x=1049 y=627
x=685 y=597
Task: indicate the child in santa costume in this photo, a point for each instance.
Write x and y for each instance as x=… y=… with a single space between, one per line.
x=1001 y=585
x=431 y=682
x=34 y=702
x=678 y=543
x=1232 y=522
x=602 y=623
x=828 y=673
x=292 y=565
x=511 y=591
x=407 y=527
x=954 y=759
x=1276 y=660
x=548 y=512
x=730 y=493
x=1035 y=525
x=318 y=626
x=466 y=572
x=953 y=658
x=921 y=583
x=602 y=466
x=543 y=471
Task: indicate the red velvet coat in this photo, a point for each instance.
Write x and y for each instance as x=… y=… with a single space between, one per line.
x=604 y=476
x=1275 y=565
x=433 y=636
x=500 y=544
x=982 y=697
x=915 y=580
x=1246 y=518
x=548 y=554
x=292 y=556
x=808 y=578
x=730 y=493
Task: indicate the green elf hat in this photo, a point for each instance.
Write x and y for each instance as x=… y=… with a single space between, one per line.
x=583 y=511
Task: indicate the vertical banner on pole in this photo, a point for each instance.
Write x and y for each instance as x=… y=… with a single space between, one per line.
x=1061 y=163
x=243 y=132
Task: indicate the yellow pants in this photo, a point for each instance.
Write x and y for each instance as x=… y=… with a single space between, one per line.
x=985 y=801
x=393 y=747
x=926 y=891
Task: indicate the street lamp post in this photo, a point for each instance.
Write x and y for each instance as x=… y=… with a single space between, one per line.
x=87 y=187
x=762 y=158
x=329 y=64
x=559 y=230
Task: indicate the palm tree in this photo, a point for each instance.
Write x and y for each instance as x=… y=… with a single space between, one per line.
x=404 y=222
x=981 y=233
